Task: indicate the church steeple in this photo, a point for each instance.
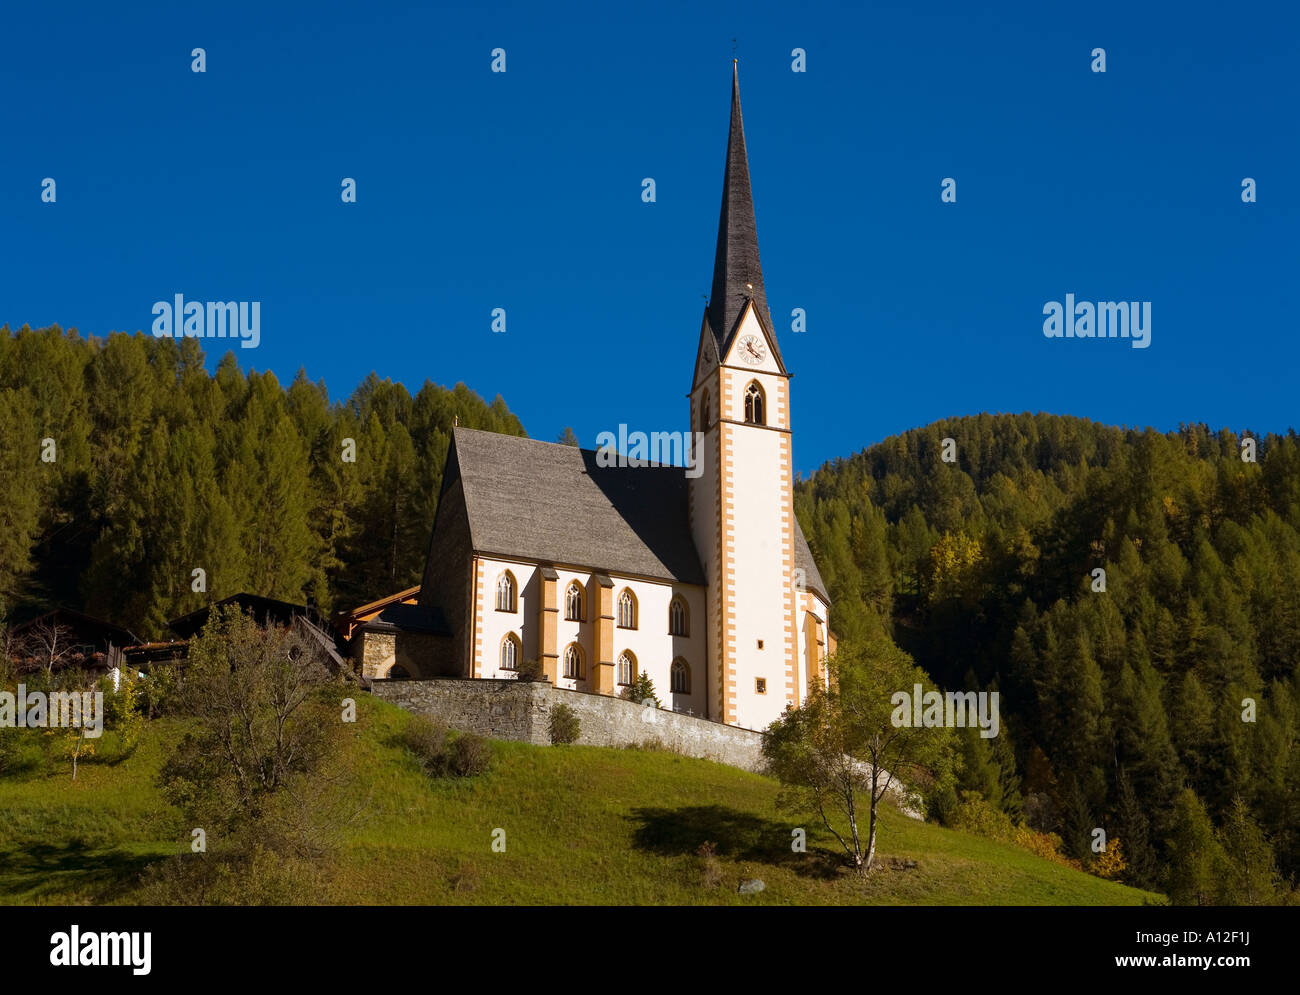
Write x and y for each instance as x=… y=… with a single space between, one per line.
x=736 y=266
x=741 y=491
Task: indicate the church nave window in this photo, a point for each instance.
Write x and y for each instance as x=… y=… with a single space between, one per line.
x=754 y=404
x=680 y=677
x=626 y=610
x=677 y=618
x=626 y=668
x=506 y=592
x=510 y=652
x=573 y=662
x=573 y=604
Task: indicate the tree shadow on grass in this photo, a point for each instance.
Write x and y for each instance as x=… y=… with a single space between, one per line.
x=738 y=835
x=70 y=872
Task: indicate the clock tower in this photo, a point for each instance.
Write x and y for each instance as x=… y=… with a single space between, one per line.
x=742 y=502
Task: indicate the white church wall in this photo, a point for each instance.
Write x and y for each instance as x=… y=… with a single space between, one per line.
x=522 y=621
x=650 y=642
x=761 y=612
x=655 y=648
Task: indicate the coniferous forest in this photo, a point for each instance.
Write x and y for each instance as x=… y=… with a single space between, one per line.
x=159 y=468
x=1165 y=708
x=1133 y=596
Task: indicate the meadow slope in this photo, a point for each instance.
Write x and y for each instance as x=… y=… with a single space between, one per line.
x=582 y=825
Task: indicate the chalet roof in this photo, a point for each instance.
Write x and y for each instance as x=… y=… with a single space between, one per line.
x=408 y=618
x=551 y=503
x=84 y=627
x=381 y=603
x=736 y=266
x=346 y=621
x=261 y=608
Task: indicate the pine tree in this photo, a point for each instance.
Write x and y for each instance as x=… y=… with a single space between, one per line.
x=1135 y=827
x=1197 y=861
x=1253 y=878
x=21 y=472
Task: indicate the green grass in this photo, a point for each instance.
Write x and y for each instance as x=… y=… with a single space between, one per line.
x=582 y=825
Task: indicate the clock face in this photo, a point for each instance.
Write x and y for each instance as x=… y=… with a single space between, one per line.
x=753 y=350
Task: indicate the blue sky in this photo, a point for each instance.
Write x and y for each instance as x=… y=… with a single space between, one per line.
x=522 y=190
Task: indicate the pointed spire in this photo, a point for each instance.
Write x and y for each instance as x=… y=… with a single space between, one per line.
x=737 y=272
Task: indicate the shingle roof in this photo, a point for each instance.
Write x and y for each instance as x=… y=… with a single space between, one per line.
x=552 y=504
x=736 y=265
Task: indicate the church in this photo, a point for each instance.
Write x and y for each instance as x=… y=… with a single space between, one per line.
x=702 y=581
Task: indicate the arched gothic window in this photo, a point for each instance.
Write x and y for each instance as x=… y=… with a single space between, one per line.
x=704 y=410
x=573 y=662
x=510 y=652
x=626 y=610
x=754 y=404
x=680 y=677
x=506 y=592
x=677 y=618
x=573 y=603
x=626 y=668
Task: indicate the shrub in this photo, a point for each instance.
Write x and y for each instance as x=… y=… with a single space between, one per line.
x=123 y=708
x=564 y=725
x=1110 y=863
x=157 y=689
x=470 y=755
x=943 y=804
x=1045 y=845
x=427 y=739
x=530 y=670
x=441 y=755
x=975 y=815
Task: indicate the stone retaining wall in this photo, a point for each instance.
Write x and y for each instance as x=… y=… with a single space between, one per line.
x=521 y=711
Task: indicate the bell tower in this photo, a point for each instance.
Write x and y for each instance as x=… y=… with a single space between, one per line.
x=742 y=503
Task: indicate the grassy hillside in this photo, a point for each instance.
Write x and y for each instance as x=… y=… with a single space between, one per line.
x=583 y=825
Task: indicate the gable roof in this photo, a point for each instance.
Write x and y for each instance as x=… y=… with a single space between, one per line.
x=261 y=608
x=408 y=618
x=736 y=266
x=551 y=503
x=374 y=607
x=83 y=626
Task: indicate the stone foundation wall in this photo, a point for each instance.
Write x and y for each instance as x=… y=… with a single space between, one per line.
x=521 y=711
x=423 y=656
x=378 y=653
x=498 y=709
